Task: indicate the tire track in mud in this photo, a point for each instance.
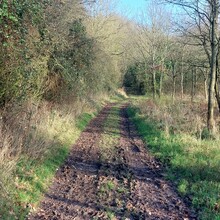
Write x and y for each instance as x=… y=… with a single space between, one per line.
x=73 y=194
x=126 y=183
x=151 y=197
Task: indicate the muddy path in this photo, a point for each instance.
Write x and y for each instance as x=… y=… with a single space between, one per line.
x=109 y=174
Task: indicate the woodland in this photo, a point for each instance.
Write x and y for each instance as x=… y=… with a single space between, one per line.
x=61 y=61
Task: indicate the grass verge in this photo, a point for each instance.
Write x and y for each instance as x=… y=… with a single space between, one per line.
x=192 y=164
x=32 y=176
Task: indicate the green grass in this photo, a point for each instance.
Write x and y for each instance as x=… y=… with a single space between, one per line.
x=111 y=133
x=83 y=120
x=33 y=177
x=192 y=164
x=110 y=215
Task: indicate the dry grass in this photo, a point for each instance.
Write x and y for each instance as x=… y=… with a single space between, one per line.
x=178 y=116
x=122 y=93
x=175 y=133
x=32 y=131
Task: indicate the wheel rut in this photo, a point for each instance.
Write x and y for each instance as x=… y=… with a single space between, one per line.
x=126 y=183
x=151 y=197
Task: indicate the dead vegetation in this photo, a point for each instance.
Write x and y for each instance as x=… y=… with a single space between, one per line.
x=30 y=132
x=179 y=116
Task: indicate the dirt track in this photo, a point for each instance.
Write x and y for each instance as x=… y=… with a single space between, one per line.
x=125 y=184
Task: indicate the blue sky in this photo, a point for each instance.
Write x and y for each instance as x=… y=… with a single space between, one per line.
x=133 y=4
x=131 y=7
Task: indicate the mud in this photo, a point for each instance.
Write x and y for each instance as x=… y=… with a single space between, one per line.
x=127 y=185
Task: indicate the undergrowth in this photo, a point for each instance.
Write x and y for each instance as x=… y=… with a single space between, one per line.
x=29 y=163
x=192 y=163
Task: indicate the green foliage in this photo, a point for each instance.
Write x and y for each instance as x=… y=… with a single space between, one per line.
x=206 y=134
x=17 y=15
x=17 y=77
x=81 y=46
x=34 y=65
x=135 y=80
x=69 y=67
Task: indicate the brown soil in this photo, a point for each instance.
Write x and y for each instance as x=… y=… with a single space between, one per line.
x=127 y=185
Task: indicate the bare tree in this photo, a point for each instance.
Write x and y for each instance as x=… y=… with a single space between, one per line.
x=151 y=41
x=203 y=15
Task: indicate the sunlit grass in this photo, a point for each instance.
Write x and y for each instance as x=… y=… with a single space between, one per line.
x=111 y=133
x=33 y=175
x=191 y=163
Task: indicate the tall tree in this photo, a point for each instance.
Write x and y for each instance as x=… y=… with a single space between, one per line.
x=203 y=15
x=152 y=41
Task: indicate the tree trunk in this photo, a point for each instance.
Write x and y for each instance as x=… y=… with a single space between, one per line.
x=153 y=78
x=192 y=86
x=174 y=82
x=161 y=78
x=161 y=84
x=217 y=94
x=195 y=82
x=181 y=82
x=205 y=84
x=206 y=89
x=214 y=52
x=174 y=88
x=154 y=83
